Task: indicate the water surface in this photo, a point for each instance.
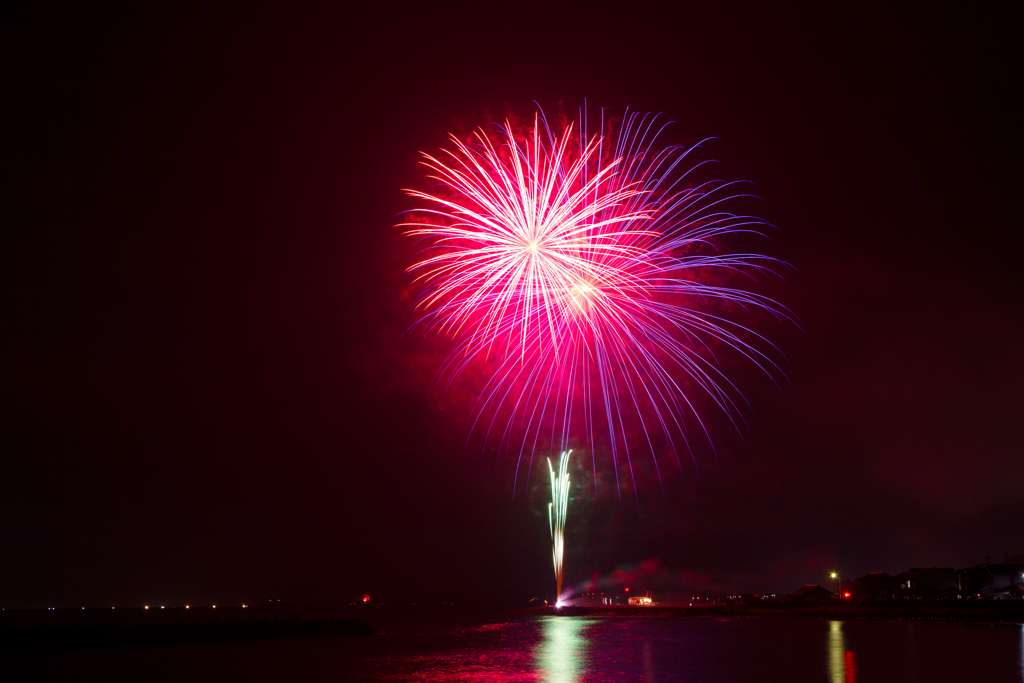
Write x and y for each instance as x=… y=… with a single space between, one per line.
x=570 y=650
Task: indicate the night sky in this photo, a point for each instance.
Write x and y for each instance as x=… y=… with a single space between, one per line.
x=206 y=391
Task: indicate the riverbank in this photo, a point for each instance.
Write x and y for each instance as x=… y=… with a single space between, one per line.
x=1005 y=612
x=105 y=635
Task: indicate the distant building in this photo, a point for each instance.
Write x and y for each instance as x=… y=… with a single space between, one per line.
x=641 y=599
x=972 y=580
x=873 y=586
x=1010 y=592
x=927 y=583
x=595 y=599
x=1006 y=575
x=811 y=591
x=993 y=581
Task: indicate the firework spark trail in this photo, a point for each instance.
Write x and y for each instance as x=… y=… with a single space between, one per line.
x=557 y=511
x=584 y=271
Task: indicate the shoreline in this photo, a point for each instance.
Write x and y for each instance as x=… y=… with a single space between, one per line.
x=37 y=629
x=993 y=612
x=108 y=635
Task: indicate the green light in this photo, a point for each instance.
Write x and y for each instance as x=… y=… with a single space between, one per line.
x=557 y=510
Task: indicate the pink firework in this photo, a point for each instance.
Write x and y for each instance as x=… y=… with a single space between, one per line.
x=587 y=274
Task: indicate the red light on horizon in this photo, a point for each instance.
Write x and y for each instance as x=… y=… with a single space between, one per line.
x=627 y=589
x=366 y=599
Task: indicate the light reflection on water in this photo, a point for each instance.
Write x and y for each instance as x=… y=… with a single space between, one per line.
x=590 y=650
x=842 y=667
x=562 y=654
x=648 y=660
x=569 y=650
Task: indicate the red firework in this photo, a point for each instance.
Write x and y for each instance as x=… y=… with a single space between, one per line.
x=586 y=272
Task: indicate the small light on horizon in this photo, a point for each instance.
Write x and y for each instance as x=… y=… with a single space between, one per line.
x=147 y=606
x=186 y=606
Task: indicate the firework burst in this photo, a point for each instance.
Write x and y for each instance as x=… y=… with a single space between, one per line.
x=589 y=274
x=557 y=511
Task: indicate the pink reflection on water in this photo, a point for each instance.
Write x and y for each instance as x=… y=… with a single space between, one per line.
x=552 y=649
x=489 y=653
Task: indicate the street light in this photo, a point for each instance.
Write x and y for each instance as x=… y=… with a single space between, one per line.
x=839 y=587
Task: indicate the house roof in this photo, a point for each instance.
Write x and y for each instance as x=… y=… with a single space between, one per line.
x=1012 y=569
x=811 y=590
x=877 y=580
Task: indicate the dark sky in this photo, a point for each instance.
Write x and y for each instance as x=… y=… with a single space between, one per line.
x=206 y=396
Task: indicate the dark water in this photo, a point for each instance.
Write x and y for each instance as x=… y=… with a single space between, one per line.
x=569 y=649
